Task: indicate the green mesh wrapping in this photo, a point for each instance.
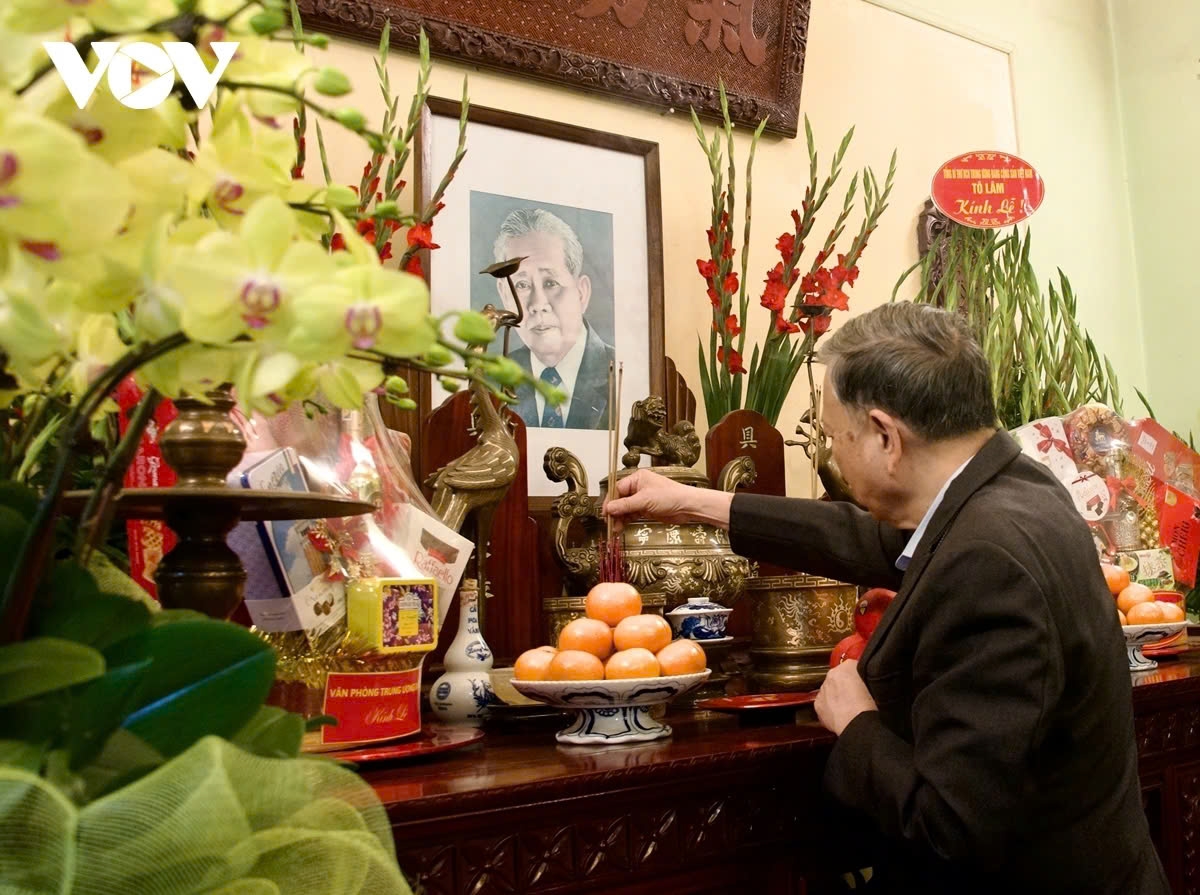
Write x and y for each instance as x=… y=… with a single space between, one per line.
x=213 y=820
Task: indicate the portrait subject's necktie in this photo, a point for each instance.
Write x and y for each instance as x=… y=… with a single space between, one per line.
x=551 y=416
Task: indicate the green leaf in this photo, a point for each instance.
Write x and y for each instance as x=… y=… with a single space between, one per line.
x=45 y=664
x=96 y=619
x=19 y=497
x=316 y=723
x=218 y=705
x=26 y=756
x=124 y=759
x=207 y=677
x=13 y=528
x=272 y=733
x=98 y=708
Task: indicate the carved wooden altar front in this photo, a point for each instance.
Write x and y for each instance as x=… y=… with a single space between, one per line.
x=719 y=808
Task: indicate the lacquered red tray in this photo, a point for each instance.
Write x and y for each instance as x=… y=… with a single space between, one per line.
x=433 y=738
x=757 y=702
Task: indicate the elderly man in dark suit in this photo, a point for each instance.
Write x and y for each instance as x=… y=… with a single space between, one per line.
x=986 y=733
x=560 y=346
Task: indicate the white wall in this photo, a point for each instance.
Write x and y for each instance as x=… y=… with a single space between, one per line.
x=1158 y=67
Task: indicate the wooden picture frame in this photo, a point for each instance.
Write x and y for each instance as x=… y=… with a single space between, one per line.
x=493 y=134
x=670 y=54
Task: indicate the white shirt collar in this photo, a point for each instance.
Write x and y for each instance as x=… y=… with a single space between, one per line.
x=568 y=372
x=910 y=549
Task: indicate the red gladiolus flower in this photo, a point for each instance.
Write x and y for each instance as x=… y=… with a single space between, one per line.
x=731 y=324
x=727 y=250
x=821 y=256
x=714 y=297
x=783 y=325
x=730 y=283
x=832 y=298
x=338 y=243
x=414 y=266
x=712 y=236
x=774 y=295
x=819 y=325
x=796 y=214
x=808 y=284
x=365 y=226
x=734 y=363
x=386 y=252
x=421 y=235
x=786 y=245
x=707 y=267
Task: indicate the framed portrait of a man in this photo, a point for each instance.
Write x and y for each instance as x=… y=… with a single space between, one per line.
x=582 y=209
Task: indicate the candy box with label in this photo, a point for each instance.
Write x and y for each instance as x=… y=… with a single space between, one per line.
x=1170 y=460
x=1149 y=567
x=1179 y=518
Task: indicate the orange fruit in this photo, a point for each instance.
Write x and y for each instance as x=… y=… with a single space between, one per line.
x=682 y=657
x=611 y=601
x=1132 y=595
x=1116 y=578
x=588 y=635
x=533 y=665
x=1121 y=618
x=1172 y=612
x=1145 y=613
x=650 y=632
x=631 y=663
x=575 y=665
x=548 y=649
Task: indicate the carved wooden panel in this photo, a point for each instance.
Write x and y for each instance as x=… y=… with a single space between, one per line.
x=1187 y=790
x=1167 y=730
x=665 y=53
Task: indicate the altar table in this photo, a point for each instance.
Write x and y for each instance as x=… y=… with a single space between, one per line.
x=718 y=809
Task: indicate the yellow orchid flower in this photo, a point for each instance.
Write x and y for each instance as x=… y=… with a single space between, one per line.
x=243 y=282
x=107 y=15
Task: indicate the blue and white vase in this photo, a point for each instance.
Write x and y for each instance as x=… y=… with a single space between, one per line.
x=699 y=619
x=463 y=695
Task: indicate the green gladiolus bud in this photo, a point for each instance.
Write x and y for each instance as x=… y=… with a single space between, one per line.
x=438 y=356
x=341 y=197
x=376 y=143
x=268 y=21
x=403 y=403
x=332 y=82
x=387 y=210
x=505 y=370
x=473 y=328
x=320 y=41
x=395 y=385
x=350 y=118
x=450 y=385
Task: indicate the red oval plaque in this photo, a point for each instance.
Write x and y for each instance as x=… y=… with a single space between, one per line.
x=987 y=189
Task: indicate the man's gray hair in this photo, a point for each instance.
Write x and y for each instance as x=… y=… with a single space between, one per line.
x=916 y=362
x=538 y=220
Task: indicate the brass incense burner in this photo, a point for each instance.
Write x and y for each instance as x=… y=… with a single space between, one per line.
x=676 y=561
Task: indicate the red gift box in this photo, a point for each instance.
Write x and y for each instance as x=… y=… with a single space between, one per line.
x=1179 y=526
x=149 y=540
x=1169 y=459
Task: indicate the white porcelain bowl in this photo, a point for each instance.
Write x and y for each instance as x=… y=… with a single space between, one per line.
x=1138 y=636
x=612 y=711
x=699 y=619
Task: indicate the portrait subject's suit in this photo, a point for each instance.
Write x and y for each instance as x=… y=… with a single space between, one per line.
x=589 y=400
x=1002 y=756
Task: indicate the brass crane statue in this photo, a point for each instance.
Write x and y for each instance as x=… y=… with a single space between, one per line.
x=476 y=482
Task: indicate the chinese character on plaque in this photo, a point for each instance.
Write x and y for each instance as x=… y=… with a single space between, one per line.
x=642 y=535
x=673 y=535
x=728 y=21
x=748 y=440
x=629 y=12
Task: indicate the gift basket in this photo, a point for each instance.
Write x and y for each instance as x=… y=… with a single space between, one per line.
x=351 y=605
x=1138 y=488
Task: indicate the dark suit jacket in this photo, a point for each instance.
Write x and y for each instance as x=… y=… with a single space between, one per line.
x=1002 y=755
x=589 y=402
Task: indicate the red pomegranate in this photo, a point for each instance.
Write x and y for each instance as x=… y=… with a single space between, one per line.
x=870 y=609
